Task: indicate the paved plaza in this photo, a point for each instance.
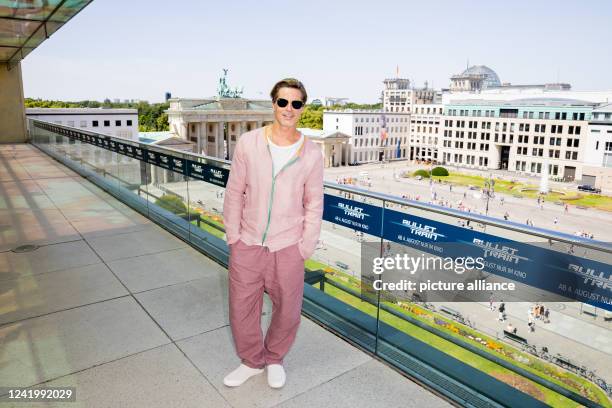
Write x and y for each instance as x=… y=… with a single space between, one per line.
x=383 y=179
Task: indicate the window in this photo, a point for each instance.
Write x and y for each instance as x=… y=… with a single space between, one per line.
x=83 y=123
x=546 y=115
x=578 y=130
x=569 y=142
x=570 y=130
x=94 y=123
x=608 y=147
x=118 y=123
x=574 y=155
x=106 y=123
x=576 y=141
x=557 y=115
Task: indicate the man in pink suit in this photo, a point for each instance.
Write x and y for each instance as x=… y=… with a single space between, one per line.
x=272 y=213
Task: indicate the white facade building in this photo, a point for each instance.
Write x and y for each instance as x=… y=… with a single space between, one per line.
x=374 y=135
x=599 y=144
x=397 y=95
x=520 y=136
x=426 y=122
x=331 y=145
x=113 y=122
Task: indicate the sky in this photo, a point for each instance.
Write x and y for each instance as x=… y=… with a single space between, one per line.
x=140 y=49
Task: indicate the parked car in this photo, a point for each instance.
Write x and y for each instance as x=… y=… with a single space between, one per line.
x=342 y=265
x=589 y=188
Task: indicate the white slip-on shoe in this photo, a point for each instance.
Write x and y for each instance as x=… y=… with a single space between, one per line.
x=276 y=375
x=240 y=375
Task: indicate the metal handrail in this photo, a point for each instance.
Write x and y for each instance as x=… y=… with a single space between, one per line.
x=483 y=219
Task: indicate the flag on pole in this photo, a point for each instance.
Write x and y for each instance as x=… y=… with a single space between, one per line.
x=383 y=129
x=383 y=135
x=399 y=150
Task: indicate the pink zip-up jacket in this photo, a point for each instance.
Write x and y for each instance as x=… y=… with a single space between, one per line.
x=276 y=212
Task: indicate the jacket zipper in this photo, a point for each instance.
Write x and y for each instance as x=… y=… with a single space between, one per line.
x=272 y=191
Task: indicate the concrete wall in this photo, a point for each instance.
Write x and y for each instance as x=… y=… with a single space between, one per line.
x=12 y=111
x=603 y=177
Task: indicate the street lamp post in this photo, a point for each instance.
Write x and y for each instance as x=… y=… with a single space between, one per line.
x=489 y=191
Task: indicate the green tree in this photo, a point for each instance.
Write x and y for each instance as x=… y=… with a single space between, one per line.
x=312 y=117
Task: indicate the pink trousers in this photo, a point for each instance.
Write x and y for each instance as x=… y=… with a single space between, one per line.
x=253 y=269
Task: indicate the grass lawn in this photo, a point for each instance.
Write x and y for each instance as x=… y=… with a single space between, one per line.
x=505 y=186
x=212 y=230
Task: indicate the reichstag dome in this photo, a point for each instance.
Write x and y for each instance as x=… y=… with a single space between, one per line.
x=491 y=78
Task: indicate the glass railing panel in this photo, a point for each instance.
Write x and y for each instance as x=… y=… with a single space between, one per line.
x=167 y=193
x=205 y=190
x=351 y=224
x=133 y=176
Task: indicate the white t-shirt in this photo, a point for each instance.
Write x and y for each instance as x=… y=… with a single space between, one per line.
x=282 y=154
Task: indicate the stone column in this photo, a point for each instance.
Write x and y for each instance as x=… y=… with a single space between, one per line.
x=220 y=152
x=203 y=138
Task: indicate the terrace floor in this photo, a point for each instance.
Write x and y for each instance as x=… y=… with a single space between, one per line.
x=114 y=305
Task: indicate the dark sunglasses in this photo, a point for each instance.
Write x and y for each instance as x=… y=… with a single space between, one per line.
x=282 y=102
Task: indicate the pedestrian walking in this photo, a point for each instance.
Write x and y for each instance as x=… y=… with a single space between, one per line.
x=502 y=311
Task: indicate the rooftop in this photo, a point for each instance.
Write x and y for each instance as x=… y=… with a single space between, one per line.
x=79 y=111
x=322 y=134
x=559 y=102
x=130 y=315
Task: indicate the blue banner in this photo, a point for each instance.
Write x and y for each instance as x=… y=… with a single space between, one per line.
x=353 y=214
x=560 y=273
